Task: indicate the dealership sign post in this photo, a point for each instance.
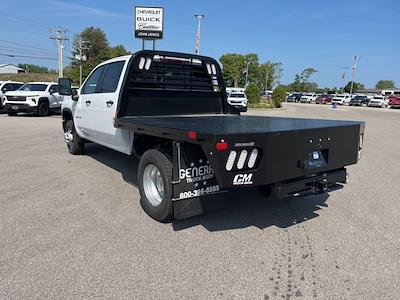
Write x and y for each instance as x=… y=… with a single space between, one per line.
x=149 y=23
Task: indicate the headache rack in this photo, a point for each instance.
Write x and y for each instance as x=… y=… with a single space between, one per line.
x=173 y=73
x=168 y=83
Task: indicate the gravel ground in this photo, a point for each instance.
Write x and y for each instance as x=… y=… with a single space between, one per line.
x=72 y=226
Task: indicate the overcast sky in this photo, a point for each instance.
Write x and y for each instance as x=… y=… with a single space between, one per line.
x=300 y=34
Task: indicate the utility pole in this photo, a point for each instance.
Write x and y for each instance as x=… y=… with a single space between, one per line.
x=266 y=80
x=247 y=74
x=199 y=18
x=356 y=59
x=60 y=35
x=81 y=56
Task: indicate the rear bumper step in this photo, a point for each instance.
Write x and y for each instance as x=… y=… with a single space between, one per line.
x=318 y=184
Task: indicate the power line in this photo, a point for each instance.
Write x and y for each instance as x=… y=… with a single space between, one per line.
x=26 y=20
x=7 y=48
x=25 y=45
x=27 y=56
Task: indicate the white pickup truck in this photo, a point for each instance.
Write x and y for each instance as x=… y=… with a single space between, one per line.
x=171 y=110
x=34 y=97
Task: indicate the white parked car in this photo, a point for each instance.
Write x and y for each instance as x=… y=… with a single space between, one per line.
x=34 y=97
x=378 y=101
x=341 y=99
x=308 y=98
x=7 y=86
x=238 y=100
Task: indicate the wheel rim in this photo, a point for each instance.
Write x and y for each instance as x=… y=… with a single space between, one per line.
x=153 y=185
x=68 y=136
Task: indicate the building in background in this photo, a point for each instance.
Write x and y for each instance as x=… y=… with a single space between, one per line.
x=10 y=69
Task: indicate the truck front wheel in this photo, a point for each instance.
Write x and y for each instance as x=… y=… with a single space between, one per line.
x=43 y=109
x=155 y=185
x=72 y=139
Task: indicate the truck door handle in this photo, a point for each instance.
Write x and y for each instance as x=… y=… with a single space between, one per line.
x=88 y=102
x=110 y=103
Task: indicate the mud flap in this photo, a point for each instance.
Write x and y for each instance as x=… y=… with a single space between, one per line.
x=198 y=205
x=195 y=188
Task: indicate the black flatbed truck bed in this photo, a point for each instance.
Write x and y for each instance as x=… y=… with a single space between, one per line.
x=285 y=144
x=224 y=124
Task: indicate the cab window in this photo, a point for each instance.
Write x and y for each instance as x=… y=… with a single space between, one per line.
x=53 y=88
x=92 y=82
x=111 y=77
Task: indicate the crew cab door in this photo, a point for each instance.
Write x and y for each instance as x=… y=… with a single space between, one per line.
x=104 y=106
x=88 y=93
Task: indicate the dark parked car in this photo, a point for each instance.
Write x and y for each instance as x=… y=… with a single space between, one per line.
x=323 y=99
x=295 y=97
x=359 y=100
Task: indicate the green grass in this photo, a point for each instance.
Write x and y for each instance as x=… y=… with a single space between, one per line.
x=261 y=105
x=29 y=77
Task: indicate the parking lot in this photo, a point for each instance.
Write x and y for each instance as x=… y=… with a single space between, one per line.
x=72 y=226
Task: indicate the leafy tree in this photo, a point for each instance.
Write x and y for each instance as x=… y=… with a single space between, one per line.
x=253 y=93
x=268 y=75
x=301 y=81
x=278 y=96
x=97 y=50
x=118 y=50
x=232 y=68
x=31 y=68
x=385 y=84
x=356 y=86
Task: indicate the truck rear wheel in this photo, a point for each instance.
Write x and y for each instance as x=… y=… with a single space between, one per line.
x=72 y=139
x=155 y=185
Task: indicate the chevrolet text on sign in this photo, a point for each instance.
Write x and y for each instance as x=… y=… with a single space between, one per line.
x=149 y=22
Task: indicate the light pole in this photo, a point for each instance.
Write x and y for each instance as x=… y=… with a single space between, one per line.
x=353 y=74
x=199 y=18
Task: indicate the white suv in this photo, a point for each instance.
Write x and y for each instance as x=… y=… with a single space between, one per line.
x=308 y=98
x=379 y=101
x=6 y=86
x=341 y=99
x=37 y=97
x=238 y=100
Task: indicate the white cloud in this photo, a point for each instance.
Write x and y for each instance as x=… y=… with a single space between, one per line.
x=80 y=10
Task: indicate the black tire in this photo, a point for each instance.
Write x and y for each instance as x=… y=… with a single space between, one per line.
x=75 y=146
x=11 y=114
x=162 y=212
x=43 y=109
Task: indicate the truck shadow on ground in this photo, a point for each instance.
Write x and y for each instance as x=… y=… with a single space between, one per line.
x=243 y=208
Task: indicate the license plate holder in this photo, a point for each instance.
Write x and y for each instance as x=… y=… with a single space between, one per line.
x=14 y=107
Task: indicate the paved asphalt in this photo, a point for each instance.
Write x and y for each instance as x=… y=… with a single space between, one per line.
x=72 y=226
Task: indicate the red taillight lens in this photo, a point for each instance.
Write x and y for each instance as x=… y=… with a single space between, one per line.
x=192 y=135
x=221 y=146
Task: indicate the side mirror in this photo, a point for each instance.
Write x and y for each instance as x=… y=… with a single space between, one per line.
x=74 y=95
x=64 y=85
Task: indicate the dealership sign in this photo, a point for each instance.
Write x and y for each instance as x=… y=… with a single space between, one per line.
x=149 y=22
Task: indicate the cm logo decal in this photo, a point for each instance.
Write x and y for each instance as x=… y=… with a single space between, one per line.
x=243 y=179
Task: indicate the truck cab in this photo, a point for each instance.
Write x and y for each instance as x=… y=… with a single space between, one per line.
x=40 y=98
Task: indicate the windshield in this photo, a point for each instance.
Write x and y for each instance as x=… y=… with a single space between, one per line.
x=34 y=87
x=340 y=96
